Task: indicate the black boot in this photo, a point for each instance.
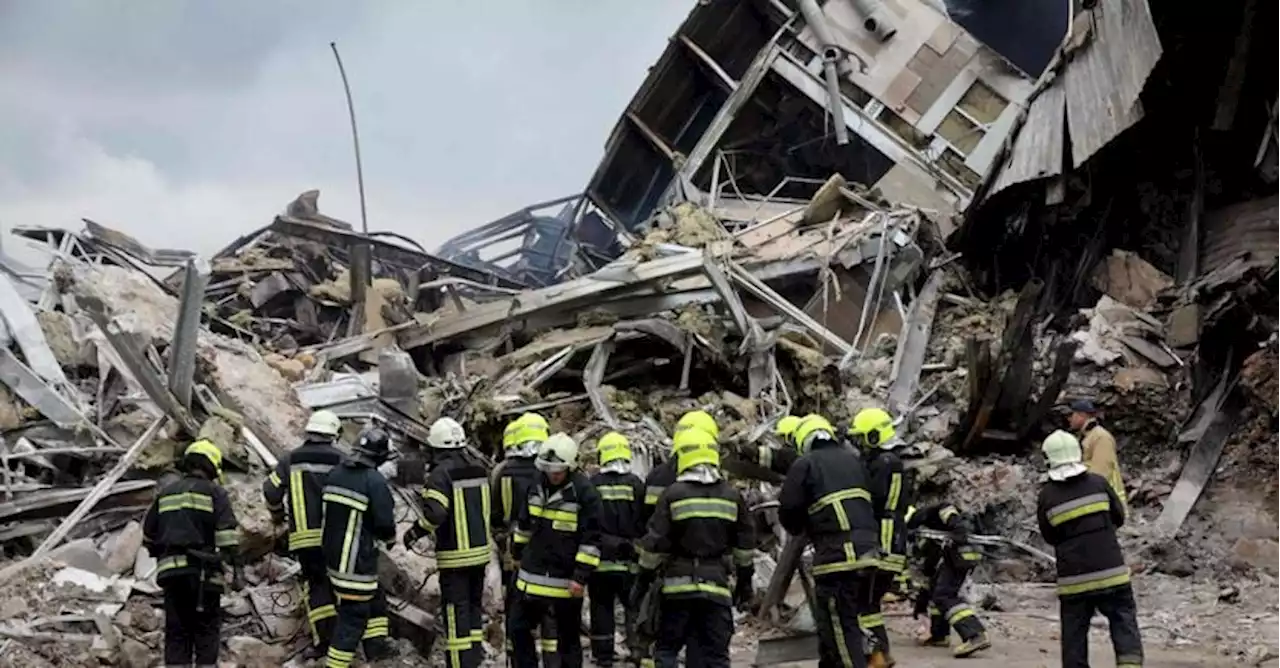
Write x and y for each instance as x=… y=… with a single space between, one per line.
x=315 y=652
x=378 y=649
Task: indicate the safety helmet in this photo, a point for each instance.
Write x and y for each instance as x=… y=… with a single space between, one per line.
x=613 y=446
x=210 y=452
x=811 y=425
x=699 y=420
x=374 y=443
x=324 y=423
x=446 y=434
x=528 y=428
x=558 y=453
x=872 y=426
x=1061 y=448
x=693 y=447
x=786 y=426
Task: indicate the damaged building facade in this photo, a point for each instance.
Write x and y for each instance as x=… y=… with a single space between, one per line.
x=807 y=206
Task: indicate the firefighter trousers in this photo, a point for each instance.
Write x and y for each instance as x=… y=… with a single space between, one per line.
x=358 y=621
x=529 y=612
x=547 y=645
x=462 y=609
x=840 y=601
x=702 y=627
x=191 y=636
x=947 y=610
x=1118 y=606
x=871 y=617
x=318 y=593
x=608 y=590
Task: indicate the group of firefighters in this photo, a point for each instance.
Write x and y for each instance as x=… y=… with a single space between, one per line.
x=675 y=550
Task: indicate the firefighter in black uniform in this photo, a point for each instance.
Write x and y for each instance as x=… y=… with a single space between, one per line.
x=509 y=488
x=1079 y=513
x=665 y=473
x=455 y=502
x=622 y=499
x=359 y=514
x=192 y=531
x=872 y=432
x=293 y=494
x=826 y=498
x=777 y=458
x=700 y=527
x=946 y=565
x=557 y=546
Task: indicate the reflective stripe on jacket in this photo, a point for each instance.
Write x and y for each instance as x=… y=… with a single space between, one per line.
x=359 y=511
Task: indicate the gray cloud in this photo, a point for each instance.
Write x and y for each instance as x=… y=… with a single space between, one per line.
x=187 y=122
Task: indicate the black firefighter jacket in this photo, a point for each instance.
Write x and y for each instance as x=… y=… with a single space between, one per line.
x=557 y=537
x=190 y=520
x=891 y=494
x=657 y=482
x=295 y=487
x=1079 y=517
x=944 y=517
x=826 y=496
x=621 y=507
x=359 y=512
x=699 y=533
x=511 y=480
x=456 y=506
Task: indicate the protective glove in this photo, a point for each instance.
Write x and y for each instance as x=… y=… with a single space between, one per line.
x=744 y=589
x=413 y=535
x=643 y=581
x=237 y=578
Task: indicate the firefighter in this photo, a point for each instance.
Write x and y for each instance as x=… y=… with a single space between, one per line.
x=557 y=546
x=1078 y=513
x=1098 y=446
x=872 y=432
x=826 y=497
x=509 y=487
x=622 y=500
x=454 y=502
x=359 y=513
x=665 y=473
x=946 y=565
x=293 y=494
x=700 y=526
x=778 y=459
x=192 y=531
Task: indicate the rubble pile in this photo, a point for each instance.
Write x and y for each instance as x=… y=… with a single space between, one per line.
x=830 y=308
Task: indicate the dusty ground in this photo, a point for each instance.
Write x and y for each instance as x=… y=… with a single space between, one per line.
x=1184 y=623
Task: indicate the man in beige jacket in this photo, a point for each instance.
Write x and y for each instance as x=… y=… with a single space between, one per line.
x=1098 y=444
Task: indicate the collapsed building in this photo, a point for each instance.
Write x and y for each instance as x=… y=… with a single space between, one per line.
x=805 y=208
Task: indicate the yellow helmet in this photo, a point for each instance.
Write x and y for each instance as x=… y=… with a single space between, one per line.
x=209 y=451
x=810 y=425
x=786 y=426
x=613 y=446
x=527 y=428
x=874 y=427
x=693 y=447
x=699 y=420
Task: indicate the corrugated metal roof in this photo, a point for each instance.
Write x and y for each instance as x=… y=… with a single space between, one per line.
x=1105 y=78
x=1037 y=149
x=1245 y=227
x=1099 y=86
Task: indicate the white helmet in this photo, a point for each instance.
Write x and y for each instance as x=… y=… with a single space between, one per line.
x=558 y=453
x=325 y=423
x=447 y=434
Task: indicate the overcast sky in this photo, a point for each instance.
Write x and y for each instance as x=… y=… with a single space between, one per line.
x=188 y=122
